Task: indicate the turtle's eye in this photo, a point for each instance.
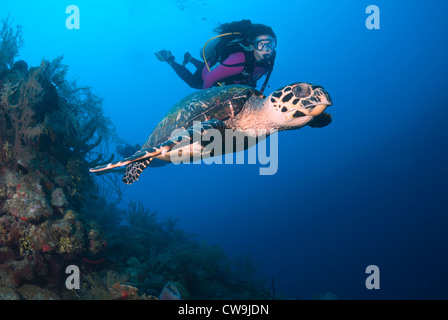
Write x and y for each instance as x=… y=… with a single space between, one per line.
x=301 y=90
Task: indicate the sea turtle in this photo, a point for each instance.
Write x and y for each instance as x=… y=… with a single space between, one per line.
x=236 y=107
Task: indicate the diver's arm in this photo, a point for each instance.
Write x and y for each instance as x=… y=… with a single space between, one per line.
x=221 y=72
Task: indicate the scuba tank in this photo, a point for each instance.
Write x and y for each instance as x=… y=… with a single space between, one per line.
x=219 y=48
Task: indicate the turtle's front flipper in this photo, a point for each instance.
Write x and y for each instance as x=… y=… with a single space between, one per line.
x=138 y=156
x=134 y=170
x=136 y=163
x=141 y=159
x=320 y=121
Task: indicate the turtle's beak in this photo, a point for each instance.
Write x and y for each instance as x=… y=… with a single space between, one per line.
x=317 y=102
x=318 y=109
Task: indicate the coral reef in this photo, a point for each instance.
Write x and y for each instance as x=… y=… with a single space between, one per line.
x=53 y=213
x=152 y=253
x=11 y=42
x=43 y=181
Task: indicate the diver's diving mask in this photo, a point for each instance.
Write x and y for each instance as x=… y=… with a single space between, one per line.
x=265 y=44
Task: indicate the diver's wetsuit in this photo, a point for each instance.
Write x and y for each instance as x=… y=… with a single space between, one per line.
x=204 y=79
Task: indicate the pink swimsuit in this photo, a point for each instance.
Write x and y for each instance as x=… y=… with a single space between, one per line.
x=221 y=72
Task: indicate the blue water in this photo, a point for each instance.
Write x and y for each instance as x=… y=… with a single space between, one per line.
x=369 y=189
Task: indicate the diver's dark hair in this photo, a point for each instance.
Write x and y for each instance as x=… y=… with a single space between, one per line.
x=248 y=30
x=258 y=30
x=235 y=26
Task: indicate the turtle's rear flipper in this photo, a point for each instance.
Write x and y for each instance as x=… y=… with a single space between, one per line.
x=134 y=170
x=320 y=121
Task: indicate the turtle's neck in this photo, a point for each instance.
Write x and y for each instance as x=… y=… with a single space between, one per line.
x=253 y=116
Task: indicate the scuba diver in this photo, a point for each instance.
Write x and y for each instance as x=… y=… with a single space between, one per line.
x=241 y=54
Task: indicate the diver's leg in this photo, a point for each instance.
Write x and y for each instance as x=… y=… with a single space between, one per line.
x=197 y=63
x=189 y=58
x=193 y=80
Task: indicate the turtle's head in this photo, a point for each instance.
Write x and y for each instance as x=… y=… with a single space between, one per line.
x=296 y=104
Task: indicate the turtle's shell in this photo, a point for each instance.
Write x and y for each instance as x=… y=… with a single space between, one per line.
x=219 y=103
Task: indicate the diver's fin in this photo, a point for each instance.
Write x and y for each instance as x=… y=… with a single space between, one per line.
x=320 y=121
x=134 y=170
x=164 y=55
x=187 y=57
